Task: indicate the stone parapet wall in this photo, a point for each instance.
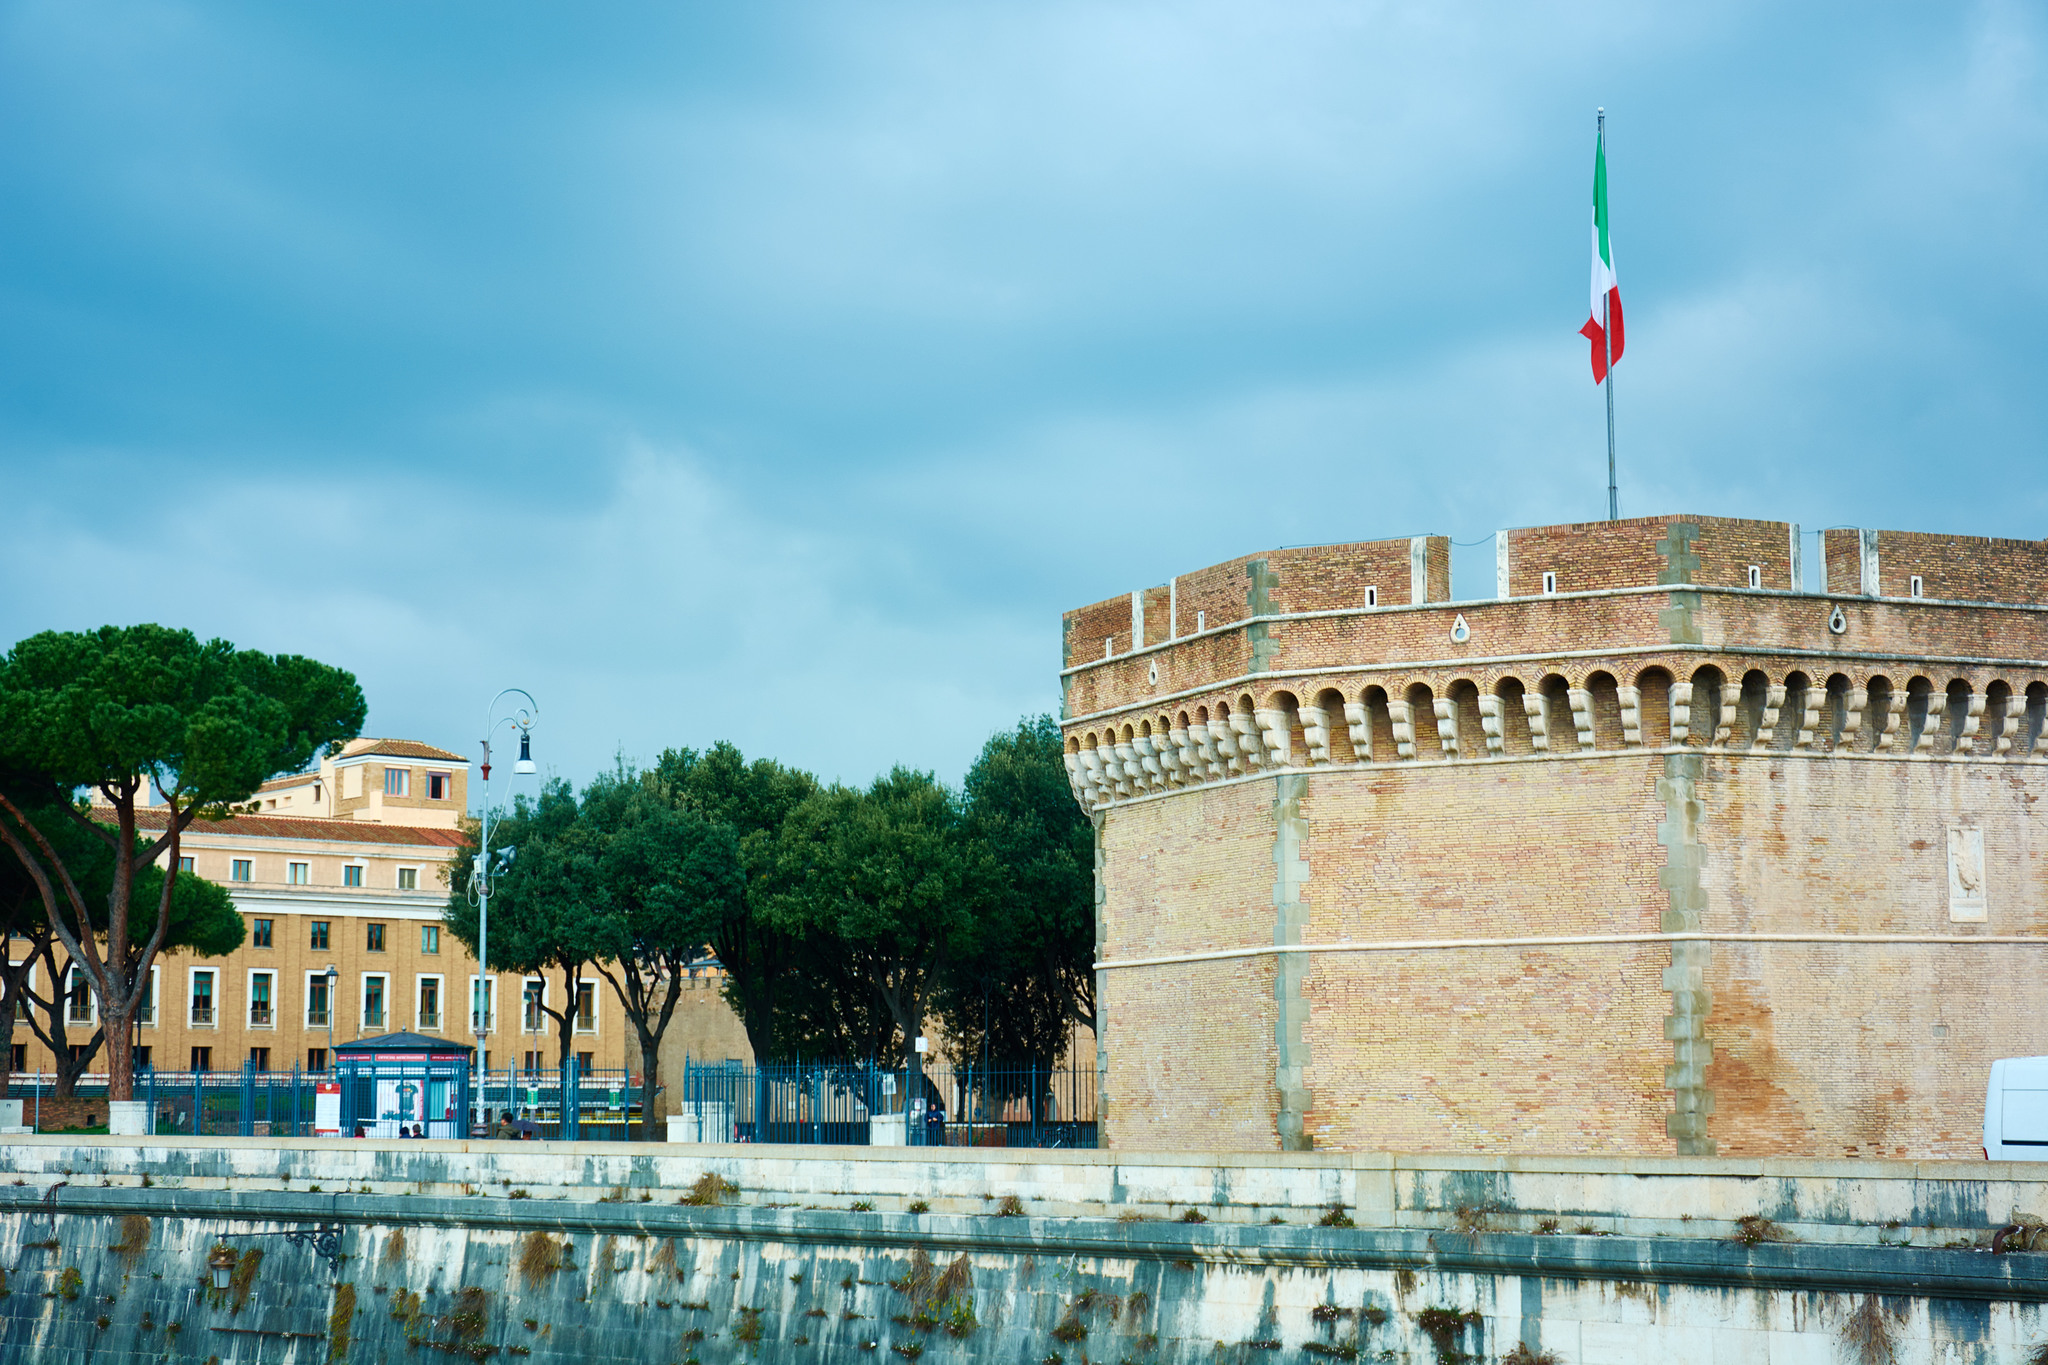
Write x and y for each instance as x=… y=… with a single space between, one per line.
x=1921 y=1203
x=1430 y=1271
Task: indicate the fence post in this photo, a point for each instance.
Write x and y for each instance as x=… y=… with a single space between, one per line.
x=571 y=1126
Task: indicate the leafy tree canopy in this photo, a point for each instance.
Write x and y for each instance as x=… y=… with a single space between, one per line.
x=768 y=971
x=208 y=722
x=123 y=708
x=1015 y=991
x=889 y=879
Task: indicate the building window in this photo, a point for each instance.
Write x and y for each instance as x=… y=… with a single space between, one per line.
x=138 y=1058
x=531 y=1019
x=316 y=1059
x=586 y=1007
x=20 y=1057
x=489 y=1022
x=1372 y=597
x=259 y=1000
x=77 y=997
x=585 y=1061
x=1914 y=586
x=184 y=862
x=316 y=1001
x=373 y=1002
x=396 y=780
x=1549 y=582
x=259 y=1058
x=298 y=874
x=1756 y=575
x=202 y=999
x=81 y=1052
x=373 y=938
x=430 y=1002
x=352 y=875
x=242 y=870
x=145 y=1010
x=437 y=786
x=430 y=938
x=318 y=937
x=408 y=879
x=259 y=934
x=202 y=1059
x=531 y=1061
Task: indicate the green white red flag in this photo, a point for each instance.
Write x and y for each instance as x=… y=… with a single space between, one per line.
x=1603 y=328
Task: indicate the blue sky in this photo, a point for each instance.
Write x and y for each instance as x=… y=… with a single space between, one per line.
x=780 y=372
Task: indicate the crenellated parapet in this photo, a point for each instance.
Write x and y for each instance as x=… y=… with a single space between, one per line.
x=1645 y=635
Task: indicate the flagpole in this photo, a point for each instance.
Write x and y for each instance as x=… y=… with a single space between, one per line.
x=1607 y=340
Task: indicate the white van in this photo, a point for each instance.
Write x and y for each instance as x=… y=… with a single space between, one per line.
x=2016 y=1110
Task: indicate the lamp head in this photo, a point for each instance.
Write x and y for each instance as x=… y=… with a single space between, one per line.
x=525 y=766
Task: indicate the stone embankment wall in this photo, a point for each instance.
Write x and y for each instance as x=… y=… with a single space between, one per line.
x=583 y=1253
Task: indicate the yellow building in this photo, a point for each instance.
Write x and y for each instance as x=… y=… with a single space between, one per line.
x=344 y=871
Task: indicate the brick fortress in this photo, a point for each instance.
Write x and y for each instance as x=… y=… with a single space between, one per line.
x=1653 y=852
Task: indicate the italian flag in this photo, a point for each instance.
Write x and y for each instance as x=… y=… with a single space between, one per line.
x=1606 y=293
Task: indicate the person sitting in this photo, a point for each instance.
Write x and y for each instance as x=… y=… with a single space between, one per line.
x=505 y=1131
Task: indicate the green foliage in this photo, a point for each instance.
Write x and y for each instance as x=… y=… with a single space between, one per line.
x=210 y=723
x=122 y=709
x=1033 y=951
x=753 y=799
x=545 y=910
x=890 y=878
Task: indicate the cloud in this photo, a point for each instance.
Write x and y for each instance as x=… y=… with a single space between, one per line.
x=782 y=374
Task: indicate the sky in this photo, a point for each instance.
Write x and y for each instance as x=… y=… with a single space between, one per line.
x=780 y=373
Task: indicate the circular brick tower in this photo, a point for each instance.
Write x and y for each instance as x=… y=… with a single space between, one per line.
x=1654 y=851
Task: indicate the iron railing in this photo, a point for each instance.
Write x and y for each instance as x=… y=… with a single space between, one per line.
x=871 y=1104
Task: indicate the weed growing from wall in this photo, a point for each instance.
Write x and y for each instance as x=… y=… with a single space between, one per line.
x=341 y=1321
x=135 y=1233
x=709 y=1191
x=394 y=1247
x=1753 y=1228
x=1445 y=1328
x=239 y=1283
x=540 y=1256
x=1867 y=1334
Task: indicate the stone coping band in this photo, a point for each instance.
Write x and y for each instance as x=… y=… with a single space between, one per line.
x=1911 y=1271
x=1846 y=599
x=1409 y=945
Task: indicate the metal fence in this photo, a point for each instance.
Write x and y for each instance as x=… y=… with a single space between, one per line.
x=863 y=1104
x=380 y=1098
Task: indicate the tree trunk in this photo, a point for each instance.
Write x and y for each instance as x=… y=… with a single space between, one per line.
x=650 y=1073
x=120 y=1056
x=10 y=997
x=572 y=976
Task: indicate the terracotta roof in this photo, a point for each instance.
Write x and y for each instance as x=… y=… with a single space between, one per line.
x=308 y=827
x=400 y=748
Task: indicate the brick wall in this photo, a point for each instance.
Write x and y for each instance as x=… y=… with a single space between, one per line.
x=1594 y=555
x=1191 y=1051
x=1957 y=568
x=1087 y=628
x=1851 y=1050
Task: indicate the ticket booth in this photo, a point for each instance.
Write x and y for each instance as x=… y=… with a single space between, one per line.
x=403 y=1085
